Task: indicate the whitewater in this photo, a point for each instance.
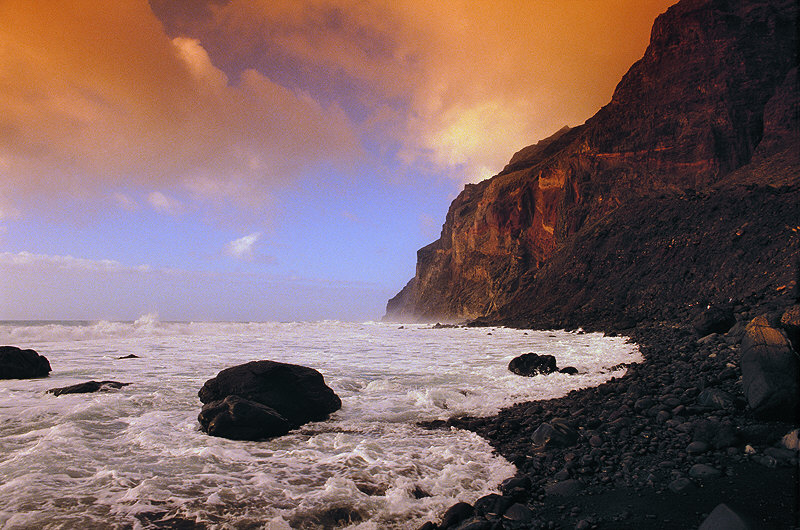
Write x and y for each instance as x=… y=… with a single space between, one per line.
x=135 y=457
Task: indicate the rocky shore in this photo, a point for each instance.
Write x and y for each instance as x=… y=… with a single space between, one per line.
x=660 y=447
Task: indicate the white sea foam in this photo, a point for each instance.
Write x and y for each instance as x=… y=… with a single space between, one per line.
x=125 y=458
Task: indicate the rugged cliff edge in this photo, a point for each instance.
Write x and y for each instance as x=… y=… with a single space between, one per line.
x=684 y=190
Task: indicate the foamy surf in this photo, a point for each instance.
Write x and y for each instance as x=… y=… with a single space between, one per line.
x=133 y=457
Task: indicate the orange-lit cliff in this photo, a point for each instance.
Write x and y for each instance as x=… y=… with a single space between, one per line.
x=683 y=190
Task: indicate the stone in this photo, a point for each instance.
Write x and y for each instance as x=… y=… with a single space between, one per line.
x=714 y=398
x=129 y=356
x=518 y=513
x=770 y=371
x=679 y=485
x=723 y=518
x=791 y=440
x=456 y=514
x=237 y=418
x=569 y=370
x=714 y=319
x=16 y=363
x=87 y=387
x=557 y=433
x=530 y=364
x=564 y=488
x=790 y=323
x=492 y=504
x=288 y=394
x=697 y=448
x=703 y=471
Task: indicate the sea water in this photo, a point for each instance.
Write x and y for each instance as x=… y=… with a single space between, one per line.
x=136 y=458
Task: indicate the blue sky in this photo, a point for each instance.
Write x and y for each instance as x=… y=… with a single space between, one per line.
x=232 y=160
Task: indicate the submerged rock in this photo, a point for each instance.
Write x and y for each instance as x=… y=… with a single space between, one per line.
x=261 y=399
x=530 y=364
x=16 y=363
x=87 y=387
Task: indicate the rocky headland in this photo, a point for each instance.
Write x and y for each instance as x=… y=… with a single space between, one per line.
x=674 y=208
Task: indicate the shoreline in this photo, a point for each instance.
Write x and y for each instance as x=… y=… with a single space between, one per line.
x=649 y=453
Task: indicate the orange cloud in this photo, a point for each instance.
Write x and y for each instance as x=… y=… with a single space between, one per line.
x=95 y=95
x=459 y=85
x=230 y=99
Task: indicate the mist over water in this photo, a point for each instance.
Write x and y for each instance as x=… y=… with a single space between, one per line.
x=129 y=457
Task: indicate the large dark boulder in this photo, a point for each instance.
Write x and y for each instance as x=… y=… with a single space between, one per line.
x=87 y=387
x=241 y=419
x=530 y=364
x=714 y=319
x=16 y=363
x=770 y=371
x=289 y=396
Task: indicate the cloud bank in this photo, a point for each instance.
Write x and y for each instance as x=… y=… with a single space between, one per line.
x=228 y=100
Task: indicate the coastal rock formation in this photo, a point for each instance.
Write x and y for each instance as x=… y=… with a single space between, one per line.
x=87 y=387
x=530 y=364
x=261 y=399
x=770 y=371
x=694 y=163
x=16 y=363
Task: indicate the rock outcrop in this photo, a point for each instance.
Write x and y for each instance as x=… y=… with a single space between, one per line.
x=263 y=399
x=530 y=364
x=16 y=363
x=87 y=387
x=689 y=176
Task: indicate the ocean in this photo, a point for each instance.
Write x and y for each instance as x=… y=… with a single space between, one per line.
x=135 y=457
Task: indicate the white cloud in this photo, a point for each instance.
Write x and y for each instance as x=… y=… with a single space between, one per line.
x=242 y=248
x=164 y=204
x=125 y=202
x=28 y=260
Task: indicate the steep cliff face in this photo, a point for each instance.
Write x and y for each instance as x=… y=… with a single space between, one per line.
x=716 y=87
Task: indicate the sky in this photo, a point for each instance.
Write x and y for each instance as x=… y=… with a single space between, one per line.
x=255 y=160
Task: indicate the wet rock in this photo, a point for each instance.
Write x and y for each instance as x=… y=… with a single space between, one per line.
x=723 y=518
x=129 y=356
x=16 y=363
x=456 y=514
x=238 y=418
x=492 y=504
x=530 y=364
x=87 y=387
x=569 y=370
x=770 y=369
x=278 y=394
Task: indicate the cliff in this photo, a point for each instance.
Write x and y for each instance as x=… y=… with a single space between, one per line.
x=683 y=190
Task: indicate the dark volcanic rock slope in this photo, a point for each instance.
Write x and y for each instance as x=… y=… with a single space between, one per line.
x=688 y=177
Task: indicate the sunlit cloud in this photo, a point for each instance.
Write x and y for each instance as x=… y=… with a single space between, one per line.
x=242 y=248
x=164 y=204
x=96 y=99
x=124 y=201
